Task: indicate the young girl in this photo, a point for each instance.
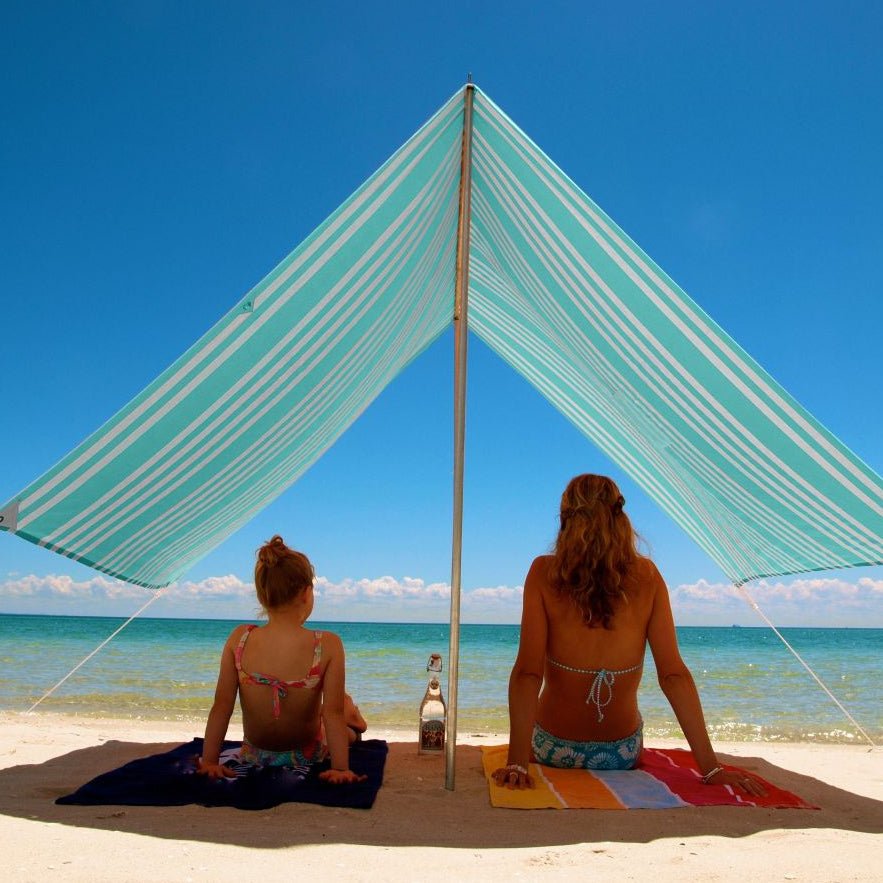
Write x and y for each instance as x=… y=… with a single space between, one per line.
x=290 y=680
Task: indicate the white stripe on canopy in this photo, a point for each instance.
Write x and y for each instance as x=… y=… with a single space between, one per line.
x=556 y=289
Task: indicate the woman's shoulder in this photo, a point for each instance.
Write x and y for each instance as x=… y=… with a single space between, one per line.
x=538 y=574
x=644 y=565
x=645 y=572
x=541 y=564
x=650 y=567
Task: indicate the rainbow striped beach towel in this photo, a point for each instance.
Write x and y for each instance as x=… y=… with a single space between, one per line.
x=665 y=778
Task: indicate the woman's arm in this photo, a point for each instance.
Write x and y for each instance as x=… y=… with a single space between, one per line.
x=679 y=688
x=333 y=696
x=222 y=708
x=526 y=680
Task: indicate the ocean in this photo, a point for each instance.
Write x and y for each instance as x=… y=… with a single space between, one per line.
x=752 y=688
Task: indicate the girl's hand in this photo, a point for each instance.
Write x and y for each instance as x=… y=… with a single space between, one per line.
x=513 y=775
x=214 y=770
x=740 y=781
x=341 y=777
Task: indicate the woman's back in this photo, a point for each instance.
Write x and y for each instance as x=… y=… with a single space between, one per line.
x=588 y=613
x=591 y=674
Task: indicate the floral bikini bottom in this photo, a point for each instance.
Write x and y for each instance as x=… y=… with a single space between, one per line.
x=296 y=758
x=622 y=754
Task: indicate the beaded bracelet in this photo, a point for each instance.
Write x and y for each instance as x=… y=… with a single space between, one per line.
x=516 y=768
x=711 y=774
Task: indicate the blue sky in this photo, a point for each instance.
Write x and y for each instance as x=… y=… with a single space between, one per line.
x=158 y=159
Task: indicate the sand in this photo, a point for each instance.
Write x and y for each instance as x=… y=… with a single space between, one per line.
x=417 y=829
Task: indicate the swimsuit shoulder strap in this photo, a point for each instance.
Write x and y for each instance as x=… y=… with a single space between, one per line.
x=317 y=654
x=241 y=646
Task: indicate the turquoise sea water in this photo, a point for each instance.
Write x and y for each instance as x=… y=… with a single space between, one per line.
x=751 y=686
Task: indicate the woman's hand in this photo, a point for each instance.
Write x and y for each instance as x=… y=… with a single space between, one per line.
x=513 y=776
x=341 y=777
x=214 y=770
x=741 y=781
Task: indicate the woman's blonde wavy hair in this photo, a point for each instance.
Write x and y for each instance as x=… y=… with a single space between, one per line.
x=280 y=574
x=595 y=548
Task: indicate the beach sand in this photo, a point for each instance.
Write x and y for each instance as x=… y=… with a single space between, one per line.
x=417 y=829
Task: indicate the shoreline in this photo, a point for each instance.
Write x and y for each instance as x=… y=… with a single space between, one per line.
x=469 y=731
x=417 y=828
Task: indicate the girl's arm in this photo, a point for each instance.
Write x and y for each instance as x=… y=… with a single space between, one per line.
x=525 y=681
x=333 y=689
x=679 y=688
x=222 y=708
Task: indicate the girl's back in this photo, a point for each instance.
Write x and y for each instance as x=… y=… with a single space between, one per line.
x=293 y=659
x=290 y=680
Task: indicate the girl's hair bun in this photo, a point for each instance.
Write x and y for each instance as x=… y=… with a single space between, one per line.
x=274 y=549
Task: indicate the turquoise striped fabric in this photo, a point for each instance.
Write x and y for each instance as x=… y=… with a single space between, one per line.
x=556 y=289
x=256 y=401
x=567 y=299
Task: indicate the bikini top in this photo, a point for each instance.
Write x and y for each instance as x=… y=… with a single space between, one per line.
x=280 y=688
x=604 y=679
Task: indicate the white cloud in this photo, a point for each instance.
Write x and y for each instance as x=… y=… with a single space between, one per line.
x=413 y=599
x=503 y=594
x=822 y=601
x=106 y=587
x=64 y=587
x=871 y=585
x=704 y=591
x=382 y=588
x=215 y=587
x=797 y=590
x=801 y=601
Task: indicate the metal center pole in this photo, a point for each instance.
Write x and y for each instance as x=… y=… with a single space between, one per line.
x=461 y=297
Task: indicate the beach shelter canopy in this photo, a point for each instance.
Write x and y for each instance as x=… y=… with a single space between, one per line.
x=555 y=288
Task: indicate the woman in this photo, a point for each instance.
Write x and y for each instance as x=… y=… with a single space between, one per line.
x=589 y=610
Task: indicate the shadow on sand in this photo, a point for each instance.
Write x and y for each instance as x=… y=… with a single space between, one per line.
x=414 y=809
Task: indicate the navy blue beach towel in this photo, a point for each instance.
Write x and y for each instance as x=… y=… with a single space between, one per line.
x=170 y=779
